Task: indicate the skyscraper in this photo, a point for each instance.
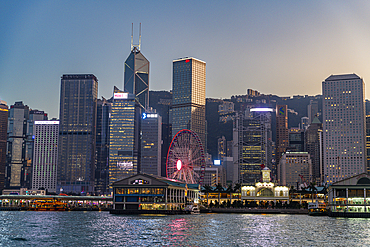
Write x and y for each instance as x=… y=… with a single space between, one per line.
x=189 y=97
x=296 y=140
x=313 y=143
x=104 y=109
x=343 y=127
x=151 y=138
x=3 y=138
x=252 y=138
x=76 y=162
x=136 y=78
x=368 y=143
x=45 y=154
x=295 y=168
x=313 y=110
x=34 y=115
x=17 y=130
x=124 y=136
x=282 y=136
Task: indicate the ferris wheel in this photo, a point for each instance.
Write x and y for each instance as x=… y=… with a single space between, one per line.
x=185 y=158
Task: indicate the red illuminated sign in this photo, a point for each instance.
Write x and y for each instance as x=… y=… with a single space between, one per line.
x=187 y=60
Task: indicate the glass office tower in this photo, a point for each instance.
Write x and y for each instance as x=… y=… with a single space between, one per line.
x=124 y=136
x=77 y=115
x=189 y=97
x=16 y=154
x=136 y=76
x=252 y=137
x=104 y=108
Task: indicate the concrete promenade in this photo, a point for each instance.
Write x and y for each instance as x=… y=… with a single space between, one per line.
x=256 y=211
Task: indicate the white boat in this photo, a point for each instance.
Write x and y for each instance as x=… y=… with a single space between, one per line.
x=194 y=209
x=317 y=209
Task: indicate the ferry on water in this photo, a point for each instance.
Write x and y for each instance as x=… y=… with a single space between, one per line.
x=48 y=205
x=194 y=209
x=317 y=209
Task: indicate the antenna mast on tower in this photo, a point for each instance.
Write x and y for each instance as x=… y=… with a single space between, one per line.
x=132 y=38
x=140 y=37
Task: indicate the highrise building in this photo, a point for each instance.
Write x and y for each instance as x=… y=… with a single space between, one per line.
x=124 y=136
x=368 y=143
x=313 y=110
x=222 y=148
x=296 y=140
x=34 y=115
x=45 y=154
x=295 y=168
x=313 y=145
x=104 y=109
x=189 y=97
x=136 y=76
x=16 y=161
x=282 y=136
x=343 y=127
x=252 y=138
x=161 y=101
x=3 y=139
x=151 y=138
x=77 y=129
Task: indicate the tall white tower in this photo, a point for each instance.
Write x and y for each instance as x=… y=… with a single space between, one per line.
x=343 y=127
x=45 y=155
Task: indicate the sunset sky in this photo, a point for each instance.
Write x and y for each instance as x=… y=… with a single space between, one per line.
x=276 y=47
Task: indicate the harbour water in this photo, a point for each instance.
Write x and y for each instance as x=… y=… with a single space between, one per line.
x=28 y=228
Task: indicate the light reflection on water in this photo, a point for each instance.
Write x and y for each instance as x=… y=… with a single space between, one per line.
x=102 y=229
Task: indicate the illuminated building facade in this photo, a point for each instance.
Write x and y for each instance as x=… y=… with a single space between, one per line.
x=350 y=197
x=124 y=136
x=265 y=190
x=149 y=192
x=136 y=78
x=77 y=133
x=252 y=139
x=3 y=139
x=16 y=156
x=189 y=97
x=151 y=148
x=343 y=127
x=282 y=136
x=45 y=154
x=292 y=166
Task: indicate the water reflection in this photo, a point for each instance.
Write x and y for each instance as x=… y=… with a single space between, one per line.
x=103 y=229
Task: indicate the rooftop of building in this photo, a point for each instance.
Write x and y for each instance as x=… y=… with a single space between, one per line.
x=315 y=121
x=188 y=58
x=166 y=180
x=343 y=77
x=79 y=76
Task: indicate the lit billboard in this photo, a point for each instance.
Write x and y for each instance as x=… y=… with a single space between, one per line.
x=120 y=95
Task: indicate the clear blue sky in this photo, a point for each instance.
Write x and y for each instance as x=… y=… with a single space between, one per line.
x=279 y=47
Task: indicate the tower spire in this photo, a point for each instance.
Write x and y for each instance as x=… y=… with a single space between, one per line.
x=132 y=36
x=140 y=37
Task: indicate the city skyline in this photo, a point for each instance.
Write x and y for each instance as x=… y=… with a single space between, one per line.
x=294 y=45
